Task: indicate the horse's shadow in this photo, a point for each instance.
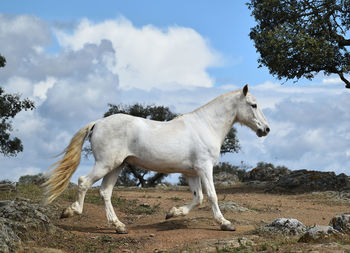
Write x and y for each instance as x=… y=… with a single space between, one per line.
x=166 y=225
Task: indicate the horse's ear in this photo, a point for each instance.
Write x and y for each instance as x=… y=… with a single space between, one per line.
x=245 y=90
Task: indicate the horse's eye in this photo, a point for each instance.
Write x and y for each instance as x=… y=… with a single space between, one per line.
x=254 y=106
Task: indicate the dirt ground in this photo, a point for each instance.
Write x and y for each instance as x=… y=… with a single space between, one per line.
x=197 y=231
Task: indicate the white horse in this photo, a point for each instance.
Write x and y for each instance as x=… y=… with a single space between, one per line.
x=189 y=144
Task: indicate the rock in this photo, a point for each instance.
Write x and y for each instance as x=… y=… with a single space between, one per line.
x=9 y=241
x=7 y=187
x=162 y=186
x=17 y=219
x=127 y=251
x=258 y=184
x=320 y=234
x=305 y=181
x=225 y=179
x=266 y=174
x=232 y=244
x=285 y=226
x=341 y=223
x=231 y=206
x=145 y=205
x=23 y=211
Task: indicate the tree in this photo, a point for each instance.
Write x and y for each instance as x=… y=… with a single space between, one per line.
x=10 y=105
x=231 y=143
x=300 y=38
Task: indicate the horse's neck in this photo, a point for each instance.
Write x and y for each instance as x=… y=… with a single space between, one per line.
x=220 y=114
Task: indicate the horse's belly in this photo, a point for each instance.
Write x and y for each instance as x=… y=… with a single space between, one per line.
x=163 y=166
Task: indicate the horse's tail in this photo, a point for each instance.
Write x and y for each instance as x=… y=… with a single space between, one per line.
x=59 y=177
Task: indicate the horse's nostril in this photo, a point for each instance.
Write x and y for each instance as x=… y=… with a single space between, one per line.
x=267 y=130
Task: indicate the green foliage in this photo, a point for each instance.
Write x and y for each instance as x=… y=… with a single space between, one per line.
x=229 y=168
x=231 y=143
x=299 y=38
x=182 y=180
x=10 y=105
x=270 y=165
x=2 y=61
x=38 y=179
x=153 y=112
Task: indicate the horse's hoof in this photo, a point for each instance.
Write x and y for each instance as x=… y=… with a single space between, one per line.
x=168 y=216
x=228 y=227
x=66 y=213
x=121 y=231
x=173 y=212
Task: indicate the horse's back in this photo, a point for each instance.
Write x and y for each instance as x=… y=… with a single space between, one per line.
x=154 y=143
x=132 y=126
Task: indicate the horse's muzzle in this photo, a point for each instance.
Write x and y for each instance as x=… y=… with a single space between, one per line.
x=262 y=132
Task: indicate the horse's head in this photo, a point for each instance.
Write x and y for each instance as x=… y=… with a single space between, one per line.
x=250 y=114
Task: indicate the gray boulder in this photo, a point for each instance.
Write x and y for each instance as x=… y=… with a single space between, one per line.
x=341 y=223
x=266 y=174
x=320 y=234
x=285 y=226
x=9 y=241
x=225 y=179
x=18 y=218
x=306 y=180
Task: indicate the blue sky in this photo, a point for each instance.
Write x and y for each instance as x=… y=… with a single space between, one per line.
x=74 y=57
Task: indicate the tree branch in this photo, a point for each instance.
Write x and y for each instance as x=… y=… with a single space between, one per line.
x=341 y=40
x=346 y=81
x=344 y=42
x=138 y=176
x=152 y=180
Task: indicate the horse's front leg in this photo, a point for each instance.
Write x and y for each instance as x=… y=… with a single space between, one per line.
x=206 y=175
x=196 y=189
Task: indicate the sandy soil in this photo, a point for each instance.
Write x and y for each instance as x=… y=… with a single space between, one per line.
x=197 y=231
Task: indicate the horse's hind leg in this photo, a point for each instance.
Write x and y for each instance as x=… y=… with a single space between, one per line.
x=84 y=183
x=196 y=189
x=106 y=190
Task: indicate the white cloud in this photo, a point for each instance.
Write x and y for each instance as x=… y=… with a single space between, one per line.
x=41 y=88
x=332 y=80
x=149 y=57
x=17 y=84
